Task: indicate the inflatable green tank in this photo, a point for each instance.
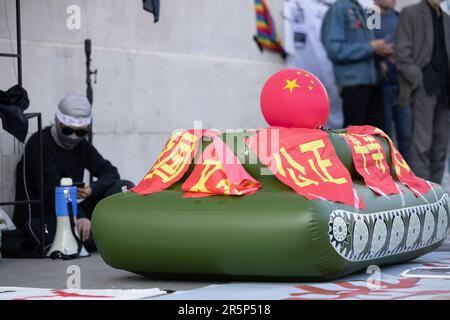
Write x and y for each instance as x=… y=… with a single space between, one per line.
x=274 y=234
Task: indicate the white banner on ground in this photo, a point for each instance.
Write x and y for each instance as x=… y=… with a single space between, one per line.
x=360 y=286
x=20 y=293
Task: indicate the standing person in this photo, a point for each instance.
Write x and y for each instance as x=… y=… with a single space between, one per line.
x=396 y=116
x=422 y=47
x=354 y=52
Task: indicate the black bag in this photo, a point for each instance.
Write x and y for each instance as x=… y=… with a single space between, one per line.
x=13 y=103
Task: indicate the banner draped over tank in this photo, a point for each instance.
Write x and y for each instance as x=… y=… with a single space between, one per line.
x=219 y=171
x=402 y=170
x=369 y=158
x=171 y=164
x=305 y=160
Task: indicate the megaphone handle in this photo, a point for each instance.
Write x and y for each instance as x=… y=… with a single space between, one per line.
x=72 y=227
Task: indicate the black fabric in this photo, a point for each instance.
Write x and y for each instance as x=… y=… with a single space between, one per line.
x=153 y=7
x=89 y=204
x=363 y=105
x=58 y=163
x=437 y=73
x=18 y=244
x=13 y=103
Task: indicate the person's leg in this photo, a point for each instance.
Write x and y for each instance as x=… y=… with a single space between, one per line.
x=423 y=111
x=389 y=117
x=355 y=101
x=89 y=204
x=375 y=112
x=403 y=128
x=440 y=142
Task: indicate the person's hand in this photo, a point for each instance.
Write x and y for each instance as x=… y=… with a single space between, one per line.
x=384 y=68
x=84 y=193
x=381 y=47
x=84 y=228
x=387 y=50
x=377 y=44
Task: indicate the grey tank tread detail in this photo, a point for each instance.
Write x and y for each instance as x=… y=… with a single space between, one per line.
x=362 y=237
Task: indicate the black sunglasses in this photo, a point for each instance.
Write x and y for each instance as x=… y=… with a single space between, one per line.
x=79 y=132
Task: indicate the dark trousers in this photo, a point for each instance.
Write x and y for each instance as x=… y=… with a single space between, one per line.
x=363 y=105
x=429 y=135
x=398 y=119
x=89 y=204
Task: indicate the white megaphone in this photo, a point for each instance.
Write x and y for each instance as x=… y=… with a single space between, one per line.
x=66 y=244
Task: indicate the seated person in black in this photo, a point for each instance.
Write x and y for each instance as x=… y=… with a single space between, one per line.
x=67 y=153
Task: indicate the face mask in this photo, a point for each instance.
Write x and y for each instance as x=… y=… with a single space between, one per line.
x=64 y=141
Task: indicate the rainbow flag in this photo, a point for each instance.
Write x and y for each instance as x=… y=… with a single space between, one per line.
x=266 y=35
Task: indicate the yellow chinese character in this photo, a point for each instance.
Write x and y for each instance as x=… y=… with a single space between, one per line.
x=299 y=178
x=378 y=156
x=297 y=172
x=211 y=166
x=226 y=186
x=360 y=149
x=181 y=147
x=314 y=146
x=400 y=164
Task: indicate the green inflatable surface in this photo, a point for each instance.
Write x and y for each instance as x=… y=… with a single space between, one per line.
x=275 y=234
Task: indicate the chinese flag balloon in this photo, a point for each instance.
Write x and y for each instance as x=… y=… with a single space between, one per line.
x=295 y=98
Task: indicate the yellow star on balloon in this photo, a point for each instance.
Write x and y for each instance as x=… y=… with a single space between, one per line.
x=291 y=85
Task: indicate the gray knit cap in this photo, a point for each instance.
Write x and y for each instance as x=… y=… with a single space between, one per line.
x=74 y=110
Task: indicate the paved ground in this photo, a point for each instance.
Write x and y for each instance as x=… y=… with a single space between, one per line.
x=445 y=246
x=95 y=274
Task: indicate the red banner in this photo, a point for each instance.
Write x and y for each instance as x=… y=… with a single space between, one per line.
x=305 y=160
x=172 y=163
x=369 y=158
x=219 y=172
x=403 y=172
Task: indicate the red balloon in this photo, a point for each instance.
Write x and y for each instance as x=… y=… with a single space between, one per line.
x=295 y=98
